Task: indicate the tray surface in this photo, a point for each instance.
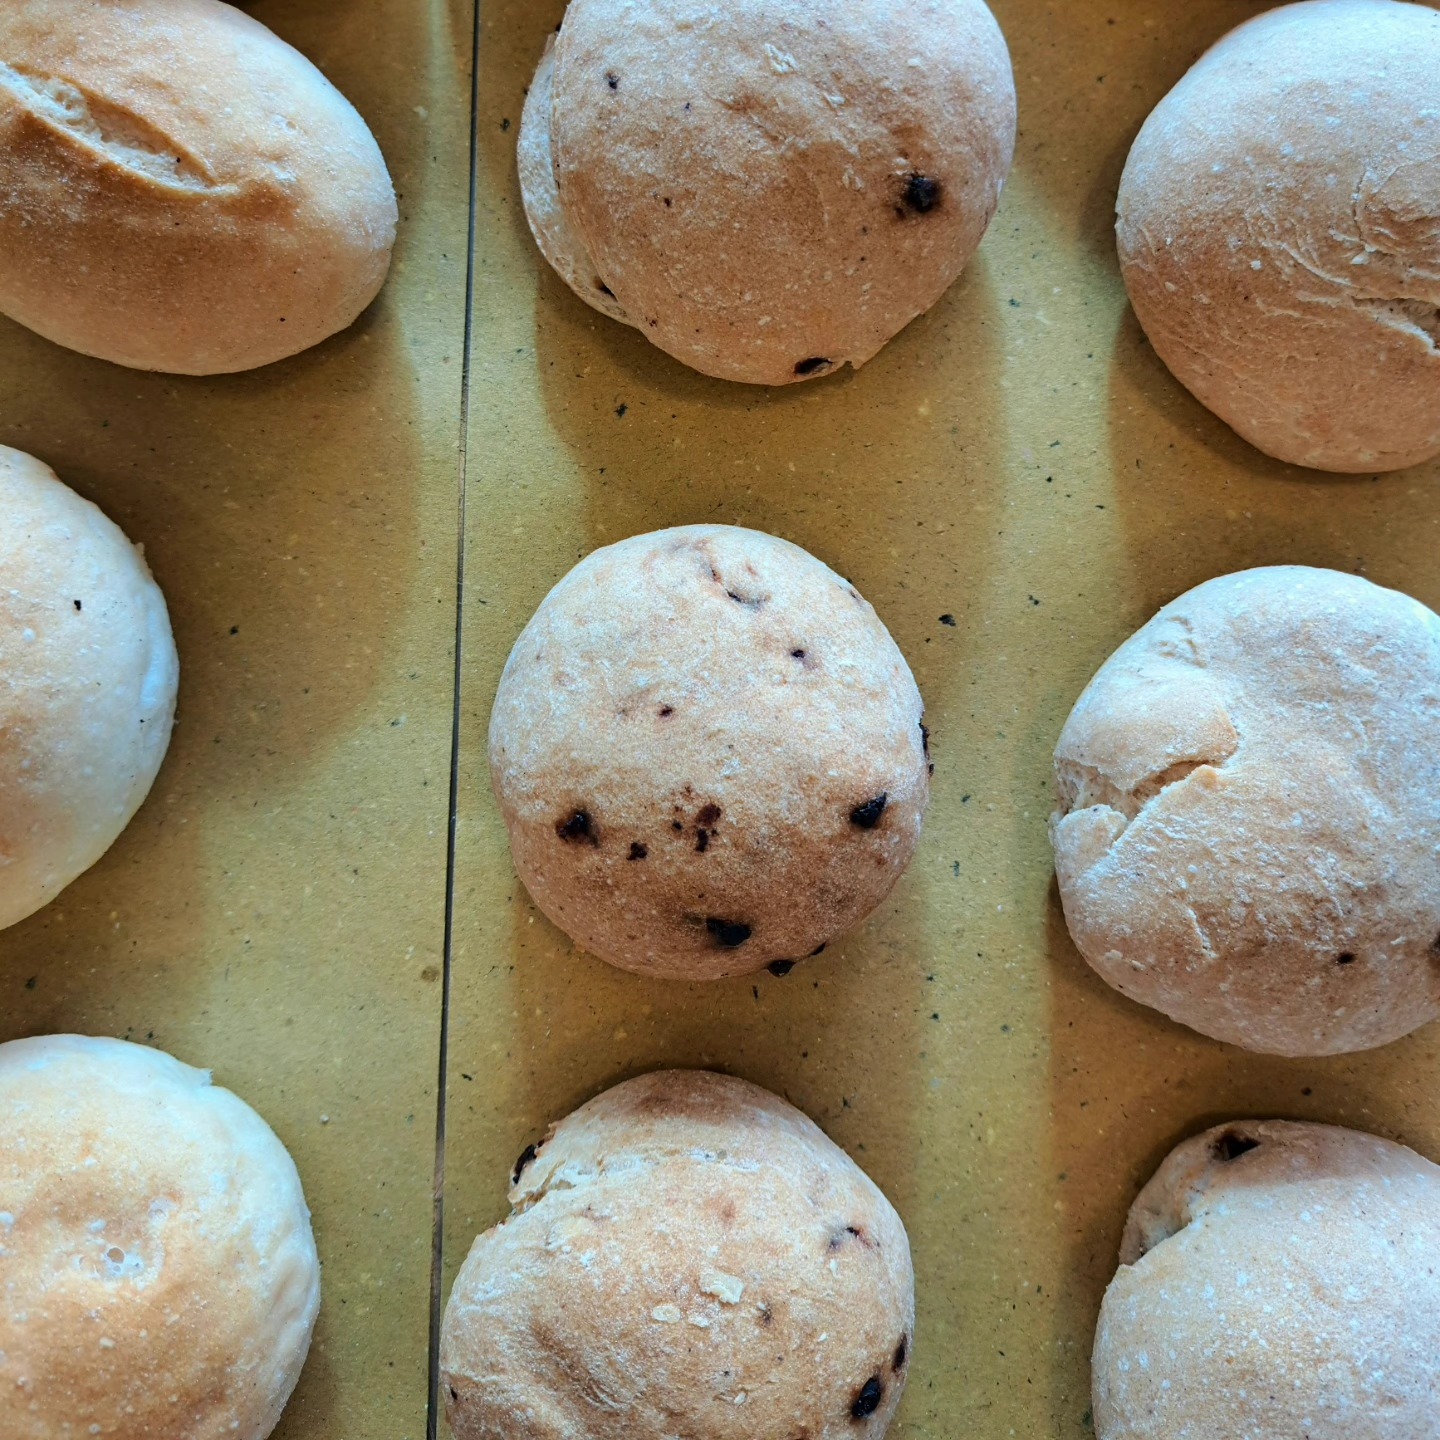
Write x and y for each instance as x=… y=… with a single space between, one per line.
x=1019 y=461
x=1015 y=483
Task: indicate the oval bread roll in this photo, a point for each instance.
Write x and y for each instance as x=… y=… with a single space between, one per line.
x=772 y=189
x=1279 y=233
x=156 y=1262
x=1277 y=1281
x=88 y=675
x=686 y=1255
x=1250 y=809
x=179 y=189
x=709 y=754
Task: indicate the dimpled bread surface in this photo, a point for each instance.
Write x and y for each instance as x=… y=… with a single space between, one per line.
x=686 y=1255
x=1279 y=232
x=709 y=754
x=774 y=188
x=158 y=1277
x=1249 y=818
x=1277 y=1280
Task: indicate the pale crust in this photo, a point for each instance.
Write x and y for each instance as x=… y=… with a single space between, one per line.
x=88 y=675
x=179 y=189
x=158 y=1277
x=1249 y=800
x=1279 y=233
x=686 y=1255
x=775 y=188
x=672 y=773
x=541 y=195
x=1277 y=1281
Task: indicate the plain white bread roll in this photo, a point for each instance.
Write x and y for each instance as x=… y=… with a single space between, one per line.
x=1277 y=1281
x=88 y=674
x=158 y=1276
x=1248 y=831
x=687 y=1255
x=1279 y=232
x=771 y=189
x=179 y=189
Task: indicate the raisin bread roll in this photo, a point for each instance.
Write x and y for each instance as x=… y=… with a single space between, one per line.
x=1276 y=1281
x=771 y=189
x=709 y=754
x=686 y=1255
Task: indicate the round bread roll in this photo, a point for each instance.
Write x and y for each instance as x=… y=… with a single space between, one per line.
x=179 y=189
x=156 y=1262
x=709 y=754
x=87 y=684
x=541 y=195
x=772 y=189
x=1277 y=1281
x=1278 y=233
x=1249 y=813
x=686 y=1255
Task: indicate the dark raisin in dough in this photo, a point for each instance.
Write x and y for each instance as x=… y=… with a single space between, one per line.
x=730 y=933
x=867 y=816
x=867 y=1402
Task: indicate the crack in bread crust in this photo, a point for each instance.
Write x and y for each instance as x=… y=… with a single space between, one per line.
x=1086 y=787
x=113 y=131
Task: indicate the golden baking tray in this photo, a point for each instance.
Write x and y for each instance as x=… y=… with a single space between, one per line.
x=1019 y=462
x=1015 y=483
x=276 y=911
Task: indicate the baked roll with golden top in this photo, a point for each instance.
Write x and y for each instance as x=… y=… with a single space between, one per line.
x=180 y=190
x=158 y=1275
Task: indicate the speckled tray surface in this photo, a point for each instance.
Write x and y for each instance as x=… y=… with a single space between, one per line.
x=277 y=909
x=1016 y=484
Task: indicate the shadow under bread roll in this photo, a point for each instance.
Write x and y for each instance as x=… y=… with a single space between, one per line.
x=180 y=190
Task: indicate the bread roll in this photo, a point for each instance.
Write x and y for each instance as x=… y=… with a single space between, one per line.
x=1249 y=808
x=772 y=189
x=686 y=1255
x=179 y=189
x=87 y=684
x=1277 y=1281
x=709 y=754
x=156 y=1262
x=1279 y=238
x=541 y=195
